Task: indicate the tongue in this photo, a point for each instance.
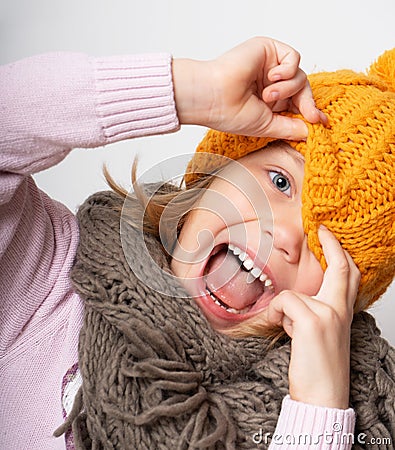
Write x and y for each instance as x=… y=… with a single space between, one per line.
x=230 y=283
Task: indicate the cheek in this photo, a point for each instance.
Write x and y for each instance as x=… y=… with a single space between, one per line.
x=194 y=243
x=186 y=244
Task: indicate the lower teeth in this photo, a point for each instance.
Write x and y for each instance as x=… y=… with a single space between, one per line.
x=227 y=308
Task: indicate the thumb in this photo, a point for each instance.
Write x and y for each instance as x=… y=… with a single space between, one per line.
x=283 y=127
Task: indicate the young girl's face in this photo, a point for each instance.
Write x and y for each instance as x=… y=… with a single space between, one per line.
x=244 y=241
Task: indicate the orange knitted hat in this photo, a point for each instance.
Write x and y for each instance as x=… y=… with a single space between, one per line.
x=349 y=169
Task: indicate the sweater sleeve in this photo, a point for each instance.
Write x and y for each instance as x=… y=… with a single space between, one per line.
x=54 y=102
x=304 y=426
x=50 y=104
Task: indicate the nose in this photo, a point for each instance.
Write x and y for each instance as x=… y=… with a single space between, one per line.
x=288 y=236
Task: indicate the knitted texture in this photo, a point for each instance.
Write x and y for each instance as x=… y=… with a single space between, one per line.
x=349 y=169
x=157 y=376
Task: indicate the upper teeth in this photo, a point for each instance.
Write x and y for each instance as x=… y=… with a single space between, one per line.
x=248 y=264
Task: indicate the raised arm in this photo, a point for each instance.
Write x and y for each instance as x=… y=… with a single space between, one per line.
x=50 y=104
x=54 y=102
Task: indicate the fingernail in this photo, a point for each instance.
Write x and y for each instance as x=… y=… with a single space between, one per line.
x=275 y=77
x=274 y=96
x=306 y=131
x=324 y=119
x=322 y=227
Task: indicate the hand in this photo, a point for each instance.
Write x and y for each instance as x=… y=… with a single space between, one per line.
x=244 y=90
x=320 y=330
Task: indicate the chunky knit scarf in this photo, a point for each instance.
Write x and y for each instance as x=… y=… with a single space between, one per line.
x=156 y=376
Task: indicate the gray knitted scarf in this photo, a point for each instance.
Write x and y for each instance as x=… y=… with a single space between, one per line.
x=157 y=376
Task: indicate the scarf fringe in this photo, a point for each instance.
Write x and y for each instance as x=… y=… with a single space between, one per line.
x=156 y=376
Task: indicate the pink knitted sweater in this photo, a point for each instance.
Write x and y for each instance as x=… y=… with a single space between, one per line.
x=50 y=104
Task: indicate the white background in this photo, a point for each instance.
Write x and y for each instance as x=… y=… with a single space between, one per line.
x=329 y=36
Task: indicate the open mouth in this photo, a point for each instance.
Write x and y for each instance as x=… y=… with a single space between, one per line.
x=234 y=282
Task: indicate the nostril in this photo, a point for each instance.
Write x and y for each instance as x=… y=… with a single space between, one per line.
x=289 y=242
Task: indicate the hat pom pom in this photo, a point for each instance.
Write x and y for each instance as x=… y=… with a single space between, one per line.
x=384 y=69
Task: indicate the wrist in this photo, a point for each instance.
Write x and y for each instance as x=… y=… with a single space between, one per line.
x=192 y=91
x=329 y=395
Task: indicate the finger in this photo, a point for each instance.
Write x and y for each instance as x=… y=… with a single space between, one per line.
x=262 y=123
x=355 y=279
x=288 y=65
x=282 y=105
x=299 y=90
x=305 y=103
x=338 y=287
x=285 y=88
x=290 y=311
x=283 y=127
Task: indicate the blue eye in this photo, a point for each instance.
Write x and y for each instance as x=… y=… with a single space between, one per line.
x=281 y=182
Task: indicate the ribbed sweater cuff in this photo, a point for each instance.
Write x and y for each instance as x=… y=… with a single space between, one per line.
x=135 y=95
x=305 y=426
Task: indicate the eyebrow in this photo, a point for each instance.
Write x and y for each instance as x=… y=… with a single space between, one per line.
x=294 y=154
